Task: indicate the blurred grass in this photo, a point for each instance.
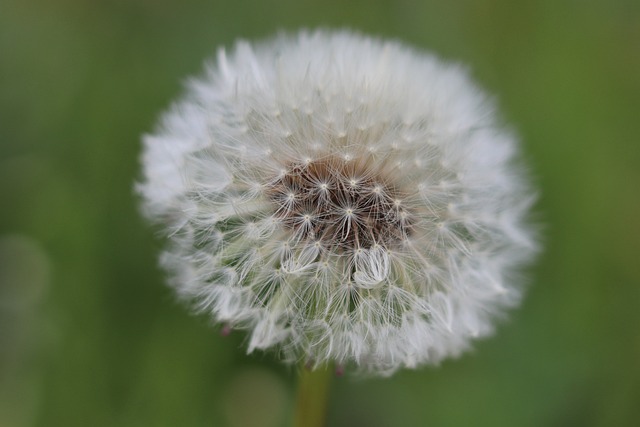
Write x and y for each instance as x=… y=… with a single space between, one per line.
x=90 y=336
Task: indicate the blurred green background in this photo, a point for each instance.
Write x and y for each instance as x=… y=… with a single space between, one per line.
x=89 y=334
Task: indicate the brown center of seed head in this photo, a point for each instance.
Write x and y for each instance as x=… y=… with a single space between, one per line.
x=340 y=203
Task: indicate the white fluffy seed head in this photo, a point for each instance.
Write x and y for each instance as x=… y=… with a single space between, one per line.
x=342 y=198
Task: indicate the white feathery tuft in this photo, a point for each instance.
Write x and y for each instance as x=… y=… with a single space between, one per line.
x=343 y=198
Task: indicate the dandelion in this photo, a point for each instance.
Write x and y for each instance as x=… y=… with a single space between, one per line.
x=344 y=199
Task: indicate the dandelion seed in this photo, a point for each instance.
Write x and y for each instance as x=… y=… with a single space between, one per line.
x=341 y=198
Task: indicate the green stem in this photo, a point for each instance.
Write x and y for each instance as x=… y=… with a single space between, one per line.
x=313 y=393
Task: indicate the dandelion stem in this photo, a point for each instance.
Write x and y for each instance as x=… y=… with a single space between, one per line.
x=312 y=397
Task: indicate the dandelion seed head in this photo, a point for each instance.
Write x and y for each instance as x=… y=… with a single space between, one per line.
x=343 y=199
